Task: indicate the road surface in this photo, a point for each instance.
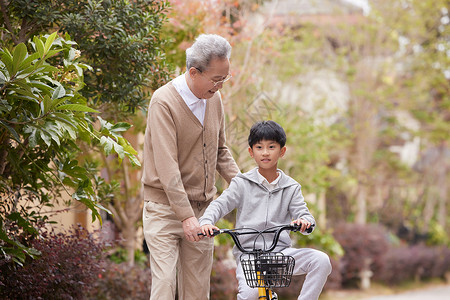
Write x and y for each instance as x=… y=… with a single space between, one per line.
x=434 y=293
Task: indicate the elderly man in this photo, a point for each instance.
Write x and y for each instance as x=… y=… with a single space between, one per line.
x=184 y=146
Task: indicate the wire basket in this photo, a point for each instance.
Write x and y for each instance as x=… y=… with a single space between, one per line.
x=267 y=270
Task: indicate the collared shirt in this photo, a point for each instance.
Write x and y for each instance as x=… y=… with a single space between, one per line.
x=269 y=185
x=196 y=105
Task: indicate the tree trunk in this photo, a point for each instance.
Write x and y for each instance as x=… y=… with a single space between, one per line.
x=129 y=236
x=322 y=205
x=361 y=202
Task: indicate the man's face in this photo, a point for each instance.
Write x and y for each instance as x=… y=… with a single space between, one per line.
x=206 y=83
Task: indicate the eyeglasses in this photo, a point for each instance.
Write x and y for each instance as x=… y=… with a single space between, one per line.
x=217 y=82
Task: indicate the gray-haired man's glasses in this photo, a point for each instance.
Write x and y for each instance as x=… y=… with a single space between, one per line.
x=217 y=82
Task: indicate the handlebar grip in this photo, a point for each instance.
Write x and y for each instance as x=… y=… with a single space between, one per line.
x=215 y=232
x=308 y=230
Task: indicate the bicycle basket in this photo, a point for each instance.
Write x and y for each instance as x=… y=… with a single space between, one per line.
x=267 y=270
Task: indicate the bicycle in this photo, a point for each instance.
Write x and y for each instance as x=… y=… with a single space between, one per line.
x=263 y=268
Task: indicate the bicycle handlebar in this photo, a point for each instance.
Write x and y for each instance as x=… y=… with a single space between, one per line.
x=234 y=233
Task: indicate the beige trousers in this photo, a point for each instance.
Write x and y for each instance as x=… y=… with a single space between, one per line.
x=171 y=255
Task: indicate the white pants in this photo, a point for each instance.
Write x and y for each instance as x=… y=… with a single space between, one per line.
x=314 y=263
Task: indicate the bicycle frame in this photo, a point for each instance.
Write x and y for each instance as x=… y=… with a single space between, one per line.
x=264 y=288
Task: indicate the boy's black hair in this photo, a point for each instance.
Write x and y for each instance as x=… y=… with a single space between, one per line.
x=267 y=130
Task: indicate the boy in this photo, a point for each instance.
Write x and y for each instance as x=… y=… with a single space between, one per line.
x=266 y=197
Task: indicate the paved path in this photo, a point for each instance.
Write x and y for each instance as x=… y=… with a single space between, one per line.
x=436 y=293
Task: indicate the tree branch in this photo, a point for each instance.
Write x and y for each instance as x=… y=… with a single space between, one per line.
x=4 y=7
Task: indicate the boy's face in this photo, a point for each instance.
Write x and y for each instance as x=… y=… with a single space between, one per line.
x=266 y=154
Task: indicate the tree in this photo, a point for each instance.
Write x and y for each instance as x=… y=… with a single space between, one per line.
x=120 y=40
x=42 y=116
x=423 y=27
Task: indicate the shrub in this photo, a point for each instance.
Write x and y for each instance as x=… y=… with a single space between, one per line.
x=224 y=284
x=121 y=282
x=68 y=265
x=360 y=242
x=417 y=262
x=223 y=281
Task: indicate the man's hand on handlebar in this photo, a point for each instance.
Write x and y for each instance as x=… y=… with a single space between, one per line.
x=208 y=230
x=190 y=228
x=304 y=224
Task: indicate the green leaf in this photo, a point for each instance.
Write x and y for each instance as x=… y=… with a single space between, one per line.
x=7 y=59
x=4 y=237
x=47 y=69
x=17 y=254
x=133 y=159
x=60 y=100
x=24 y=73
x=69 y=129
x=19 y=54
x=49 y=42
x=3 y=78
x=121 y=126
x=71 y=168
x=107 y=144
x=53 y=52
x=45 y=137
x=39 y=46
x=27 y=62
x=78 y=69
x=32 y=139
x=54 y=131
x=58 y=92
x=25 y=89
x=16 y=217
x=119 y=150
x=46 y=104
x=72 y=54
x=64 y=118
x=77 y=107
x=40 y=85
x=11 y=130
x=129 y=149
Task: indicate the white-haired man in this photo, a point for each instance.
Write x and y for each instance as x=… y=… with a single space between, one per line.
x=184 y=146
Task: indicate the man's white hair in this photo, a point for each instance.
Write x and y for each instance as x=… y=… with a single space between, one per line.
x=205 y=48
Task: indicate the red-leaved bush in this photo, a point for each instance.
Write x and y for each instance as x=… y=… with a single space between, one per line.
x=363 y=244
x=223 y=278
x=418 y=262
x=121 y=282
x=69 y=264
x=73 y=265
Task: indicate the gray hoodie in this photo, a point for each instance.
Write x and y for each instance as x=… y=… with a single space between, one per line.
x=259 y=208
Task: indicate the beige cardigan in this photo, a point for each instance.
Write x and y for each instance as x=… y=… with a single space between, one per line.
x=181 y=156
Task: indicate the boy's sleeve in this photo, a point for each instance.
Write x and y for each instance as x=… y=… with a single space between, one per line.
x=223 y=205
x=298 y=207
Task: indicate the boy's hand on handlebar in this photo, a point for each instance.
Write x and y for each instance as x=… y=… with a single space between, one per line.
x=302 y=223
x=208 y=230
